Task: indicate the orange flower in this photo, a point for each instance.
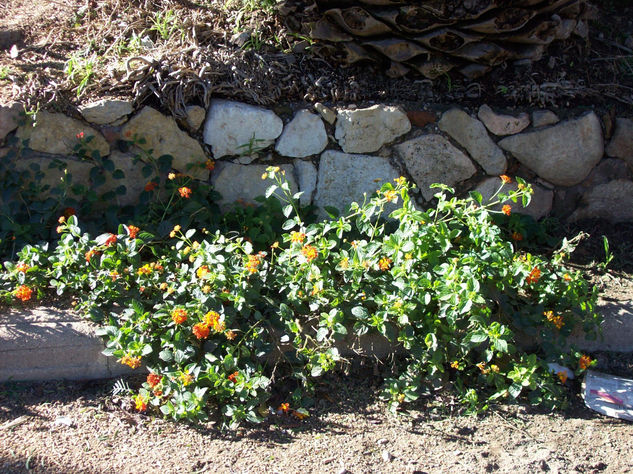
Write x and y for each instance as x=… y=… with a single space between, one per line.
x=185 y=192
x=133 y=362
x=22 y=267
x=210 y=165
x=506 y=209
x=61 y=219
x=201 y=331
x=141 y=403
x=114 y=275
x=555 y=320
x=584 y=362
x=110 y=240
x=145 y=269
x=309 y=252
x=60 y=229
x=179 y=315
x=517 y=236
x=534 y=276
x=391 y=196
x=455 y=364
x=284 y=407
x=482 y=367
x=562 y=375
x=233 y=376
x=212 y=319
x=384 y=263
x=133 y=231
x=186 y=379
x=253 y=263
x=150 y=186
x=230 y=335
x=153 y=380
x=297 y=237
x=566 y=277
x=90 y=254
x=202 y=271
x=506 y=179
x=23 y=293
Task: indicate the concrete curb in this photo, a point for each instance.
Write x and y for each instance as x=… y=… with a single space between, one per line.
x=47 y=343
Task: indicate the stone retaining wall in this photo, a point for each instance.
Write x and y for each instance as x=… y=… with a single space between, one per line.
x=580 y=167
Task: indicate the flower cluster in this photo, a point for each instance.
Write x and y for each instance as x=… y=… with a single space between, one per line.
x=131 y=361
x=179 y=315
x=23 y=293
x=534 y=276
x=554 y=319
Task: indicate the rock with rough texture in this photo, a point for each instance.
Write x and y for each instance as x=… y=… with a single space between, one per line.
x=343 y=178
x=163 y=137
x=78 y=171
x=540 y=205
x=106 y=111
x=58 y=134
x=134 y=181
x=307 y=176
x=304 y=136
x=195 y=116
x=542 y=118
x=244 y=182
x=326 y=113
x=621 y=144
x=612 y=201
x=501 y=124
x=9 y=116
x=234 y=128
x=433 y=159
x=367 y=130
x=563 y=154
x=472 y=135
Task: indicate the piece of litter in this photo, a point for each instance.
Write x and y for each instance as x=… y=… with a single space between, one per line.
x=63 y=420
x=557 y=368
x=12 y=424
x=386 y=455
x=609 y=395
x=13 y=52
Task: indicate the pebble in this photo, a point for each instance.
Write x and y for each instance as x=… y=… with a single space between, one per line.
x=386 y=455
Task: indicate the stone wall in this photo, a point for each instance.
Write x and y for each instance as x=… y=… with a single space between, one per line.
x=580 y=166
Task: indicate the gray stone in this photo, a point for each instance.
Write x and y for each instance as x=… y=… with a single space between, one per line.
x=472 y=135
x=304 y=136
x=58 y=134
x=344 y=178
x=134 y=181
x=621 y=144
x=234 y=128
x=501 y=124
x=307 y=176
x=9 y=116
x=106 y=111
x=540 y=205
x=612 y=201
x=243 y=183
x=46 y=343
x=617 y=328
x=78 y=170
x=366 y=130
x=163 y=137
x=195 y=116
x=326 y=113
x=433 y=159
x=563 y=154
x=607 y=170
x=542 y=118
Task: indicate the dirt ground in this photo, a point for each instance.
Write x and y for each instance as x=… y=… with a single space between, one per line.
x=79 y=427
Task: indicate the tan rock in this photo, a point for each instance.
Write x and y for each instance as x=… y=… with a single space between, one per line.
x=106 y=111
x=9 y=117
x=612 y=201
x=621 y=144
x=367 y=130
x=195 y=116
x=163 y=137
x=501 y=124
x=542 y=118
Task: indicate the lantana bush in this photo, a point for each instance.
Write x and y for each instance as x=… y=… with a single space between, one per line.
x=216 y=322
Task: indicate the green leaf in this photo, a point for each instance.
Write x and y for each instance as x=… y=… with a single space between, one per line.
x=515 y=390
x=166 y=355
x=360 y=312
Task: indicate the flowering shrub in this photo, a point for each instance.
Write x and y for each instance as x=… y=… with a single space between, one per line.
x=216 y=322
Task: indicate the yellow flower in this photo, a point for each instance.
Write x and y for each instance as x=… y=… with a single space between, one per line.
x=186 y=250
x=202 y=271
x=275 y=245
x=555 y=320
x=186 y=379
x=384 y=263
x=309 y=252
x=391 y=196
x=195 y=245
x=171 y=176
x=401 y=180
x=344 y=263
x=163 y=286
x=206 y=289
x=455 y=364
x=265 y=176
x=297 y=237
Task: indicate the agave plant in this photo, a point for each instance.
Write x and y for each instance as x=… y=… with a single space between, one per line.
x=432 y=37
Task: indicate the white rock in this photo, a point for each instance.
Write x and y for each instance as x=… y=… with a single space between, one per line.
x=612 y=201
x=621 y=144
x=542 y=118
x=9 y=116
x=366 y=130
x=326 y=113
x=344 y=178
x=307 y=177
x=563 y=154
x=163 y=137
x=244 y=182
x=106 y=111
x=234 y=128
x=304 y=136
x=195 y=116
x=57 y=134
x=540 y=205
x=501 y=124
x=472 y=135
x=433 y=159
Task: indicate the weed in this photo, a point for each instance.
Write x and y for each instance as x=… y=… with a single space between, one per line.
x=81 y=70
x=165 y=24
